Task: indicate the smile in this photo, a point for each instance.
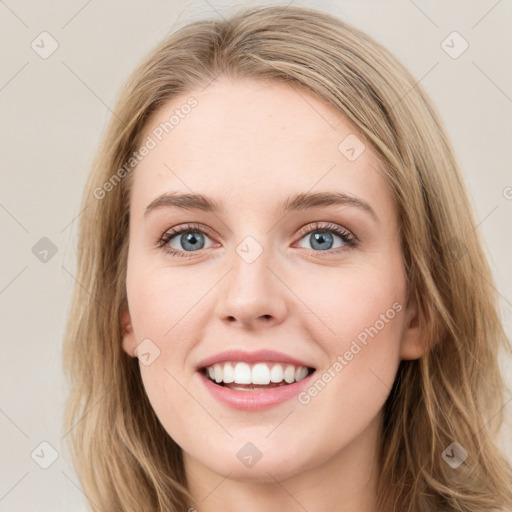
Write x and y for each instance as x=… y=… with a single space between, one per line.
x=254 y=387
x=260 y=375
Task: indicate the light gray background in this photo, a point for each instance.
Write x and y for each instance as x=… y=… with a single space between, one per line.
x=54 y=111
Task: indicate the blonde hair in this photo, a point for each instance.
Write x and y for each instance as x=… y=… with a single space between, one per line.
x=124 y=458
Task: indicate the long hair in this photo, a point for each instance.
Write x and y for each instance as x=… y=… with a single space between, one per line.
x=124 y=458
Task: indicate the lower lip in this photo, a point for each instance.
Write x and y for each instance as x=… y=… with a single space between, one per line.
x=257 y=400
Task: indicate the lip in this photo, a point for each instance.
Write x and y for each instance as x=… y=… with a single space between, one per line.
x=253 y=401
x=251 y=357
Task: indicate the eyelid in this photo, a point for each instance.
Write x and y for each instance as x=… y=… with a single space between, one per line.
x=327 y=226
x=349 y=238
x=184 y=228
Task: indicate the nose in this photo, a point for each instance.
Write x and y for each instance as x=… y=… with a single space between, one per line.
x=252 y=295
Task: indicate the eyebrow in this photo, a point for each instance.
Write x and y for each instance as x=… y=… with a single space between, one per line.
x=302 y=201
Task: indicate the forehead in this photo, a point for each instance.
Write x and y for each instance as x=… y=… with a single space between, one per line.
x=250 y=141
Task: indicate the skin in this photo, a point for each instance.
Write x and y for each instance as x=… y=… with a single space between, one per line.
x=249 y=145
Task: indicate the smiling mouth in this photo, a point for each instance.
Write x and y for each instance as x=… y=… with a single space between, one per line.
x=245 y=377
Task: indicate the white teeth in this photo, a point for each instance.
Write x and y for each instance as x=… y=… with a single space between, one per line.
x=289 y=374
x=218 y=372
x=276 y=374
x=229 y=373
x=243 y=373
x=259 y=373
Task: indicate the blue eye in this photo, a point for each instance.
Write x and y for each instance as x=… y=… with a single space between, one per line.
x=184 y=240
x=190 y=238
x=321 y=237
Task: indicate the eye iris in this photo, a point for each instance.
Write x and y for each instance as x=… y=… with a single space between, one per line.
x=195 y=239
x=319 y=238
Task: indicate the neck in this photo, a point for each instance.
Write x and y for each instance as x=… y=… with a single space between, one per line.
x=345 y=482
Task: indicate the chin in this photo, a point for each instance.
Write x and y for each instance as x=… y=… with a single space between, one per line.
x=261 y=472
x=249 y=464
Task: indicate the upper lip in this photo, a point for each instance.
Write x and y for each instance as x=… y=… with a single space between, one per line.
x=251 y=357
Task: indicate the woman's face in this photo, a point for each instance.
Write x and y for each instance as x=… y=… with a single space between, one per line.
x=264 y=271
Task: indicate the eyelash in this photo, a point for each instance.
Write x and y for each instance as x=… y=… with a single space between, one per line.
x=348 y=238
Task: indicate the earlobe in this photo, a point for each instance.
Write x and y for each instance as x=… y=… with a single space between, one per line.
x=414 y=343
x=128 y=335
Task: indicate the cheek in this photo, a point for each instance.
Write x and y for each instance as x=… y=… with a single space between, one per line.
x=359 y=322
x=354 y=302
x=367 y=319
x=160 y=300
x=165 y=316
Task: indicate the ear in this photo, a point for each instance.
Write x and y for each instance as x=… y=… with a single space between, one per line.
x=128 y=342
x=414 y=342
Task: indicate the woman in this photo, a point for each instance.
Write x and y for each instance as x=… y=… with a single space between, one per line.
x=284 y=304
